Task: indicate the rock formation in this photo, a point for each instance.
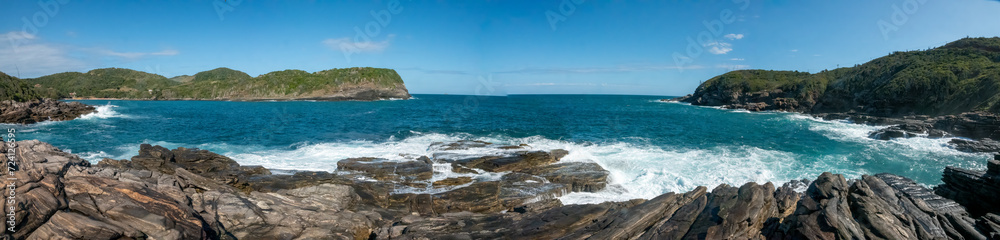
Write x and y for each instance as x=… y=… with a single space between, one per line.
x=38 y=110
x=195 y=194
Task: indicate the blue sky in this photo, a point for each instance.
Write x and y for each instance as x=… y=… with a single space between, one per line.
x=483 y=47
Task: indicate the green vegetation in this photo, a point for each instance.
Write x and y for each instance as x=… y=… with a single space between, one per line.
x=12 y=88
x=959 y=77
x=220 y=83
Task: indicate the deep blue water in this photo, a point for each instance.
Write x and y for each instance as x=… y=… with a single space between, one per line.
x=650 y=147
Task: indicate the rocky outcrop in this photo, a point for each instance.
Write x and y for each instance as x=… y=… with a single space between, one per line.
x=39 y=110
x=979 y=191
x=580 y=176
x=195 y=194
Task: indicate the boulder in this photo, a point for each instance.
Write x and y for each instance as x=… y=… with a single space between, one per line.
x=982 y=145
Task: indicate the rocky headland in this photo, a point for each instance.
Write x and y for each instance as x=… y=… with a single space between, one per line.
x=359 y=83
x=949 y=91
x=19 y=103
x=39 y=110
x=196 y=194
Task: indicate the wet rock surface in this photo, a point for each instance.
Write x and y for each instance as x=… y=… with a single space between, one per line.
x=195 y=194
x=41 y=110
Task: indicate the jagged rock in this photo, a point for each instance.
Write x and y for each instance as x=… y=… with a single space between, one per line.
x=582 y=177
x=733 y=213
x=978 y=191
x=974 y=125
x=632 y=222
x=824 y=213
x=62 y=196
x=386 y=170
x=982 y=145
x=907 y=130
x=518 y=161
x=519 y=188
x=453 y=181
x=201 y=162
x=41 y=110
x=459 y=145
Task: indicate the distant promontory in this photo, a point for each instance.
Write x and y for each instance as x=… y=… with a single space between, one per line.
x=359 y=83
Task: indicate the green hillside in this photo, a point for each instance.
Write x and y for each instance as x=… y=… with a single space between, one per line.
x=12 y=88
x=102 y=83
x=219 y=83
x=961 y=76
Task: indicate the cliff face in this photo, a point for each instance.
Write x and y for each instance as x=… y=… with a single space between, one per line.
x=227 y=84
x=962 y=76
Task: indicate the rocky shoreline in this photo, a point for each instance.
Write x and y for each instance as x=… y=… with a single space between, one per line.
x=39 y=110
x=196 y=194
x=980 y=130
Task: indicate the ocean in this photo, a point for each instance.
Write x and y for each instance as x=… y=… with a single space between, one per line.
x=650 y=147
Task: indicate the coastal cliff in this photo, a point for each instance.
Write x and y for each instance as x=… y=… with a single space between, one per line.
x=365 y=84
x=954 y=88
x=195 y=194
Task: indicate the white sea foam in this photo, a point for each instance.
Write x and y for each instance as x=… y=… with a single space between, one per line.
x=103 y=112
x=637 y=170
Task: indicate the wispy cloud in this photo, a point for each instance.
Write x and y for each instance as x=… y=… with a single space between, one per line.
x=736 y=59
x=597 y=69
x=28 y=58
x=732 y=66
x=733 y=36
x=134 y=55
x=719 y=47
x=436 y=71
x=16 y=36
x=32 y=57
x=794 y=50
x=346 y=44
x=548 y=84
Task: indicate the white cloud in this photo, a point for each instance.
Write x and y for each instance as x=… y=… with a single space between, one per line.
x=732 y=66
x=133 y=55
x=346 y=44
x=733 y=36
x=16 y=36
x=27 y=56
x=736 y=59
x=719 y=47
x=30 y=59
x=794 y=50
x=598 y=69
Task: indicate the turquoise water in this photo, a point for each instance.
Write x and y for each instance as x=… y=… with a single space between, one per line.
x=650 y=147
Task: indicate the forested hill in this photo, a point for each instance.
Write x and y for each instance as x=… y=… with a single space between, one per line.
x=961 y=76
x=12 y=88
x=225 y=84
